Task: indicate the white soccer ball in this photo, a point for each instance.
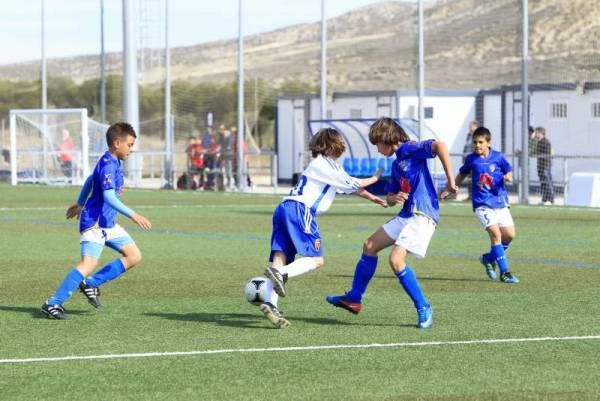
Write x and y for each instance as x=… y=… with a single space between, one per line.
x=257 y=289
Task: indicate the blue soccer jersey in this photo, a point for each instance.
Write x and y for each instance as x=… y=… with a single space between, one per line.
x=410 y=174
x=107 y=175
x=487 y=179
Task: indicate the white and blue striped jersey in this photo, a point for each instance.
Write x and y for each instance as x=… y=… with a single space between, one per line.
x=320 y=182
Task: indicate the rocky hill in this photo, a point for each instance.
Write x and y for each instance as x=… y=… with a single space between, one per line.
x=468 y=44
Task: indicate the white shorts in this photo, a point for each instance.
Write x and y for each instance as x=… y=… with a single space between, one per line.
x=494 y=217
x=93 y=240
x=413 y=233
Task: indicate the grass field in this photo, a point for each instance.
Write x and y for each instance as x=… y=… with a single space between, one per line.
x=537 y=340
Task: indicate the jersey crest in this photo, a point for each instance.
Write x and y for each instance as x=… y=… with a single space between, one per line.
x=485 y=181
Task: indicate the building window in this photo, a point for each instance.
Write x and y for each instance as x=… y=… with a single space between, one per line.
x=559 y=110
x=355 y=113
x=596 y=109
x=428 y=112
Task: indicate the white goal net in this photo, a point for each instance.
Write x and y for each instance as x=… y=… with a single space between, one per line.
x=54 y=146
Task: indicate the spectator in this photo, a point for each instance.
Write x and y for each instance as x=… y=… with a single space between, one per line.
x=468 y=149
x=66 y=148
x=211 y=162
x=227 y=141
x=196 y=163
x=543 y=151
x=234 y=135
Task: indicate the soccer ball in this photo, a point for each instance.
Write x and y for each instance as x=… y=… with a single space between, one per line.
x=257 y=289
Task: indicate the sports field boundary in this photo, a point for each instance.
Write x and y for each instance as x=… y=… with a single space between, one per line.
x=298 y=349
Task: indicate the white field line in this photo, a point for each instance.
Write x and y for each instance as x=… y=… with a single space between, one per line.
x=301 y=348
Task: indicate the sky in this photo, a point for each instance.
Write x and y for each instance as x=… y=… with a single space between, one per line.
x=73 y=26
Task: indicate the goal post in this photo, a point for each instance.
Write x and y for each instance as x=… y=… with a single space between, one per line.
x=50 y=146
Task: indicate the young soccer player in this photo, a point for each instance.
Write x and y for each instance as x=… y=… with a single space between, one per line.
x=410 y=232
x=489 y=171
x=295 y=228
x=98 y=225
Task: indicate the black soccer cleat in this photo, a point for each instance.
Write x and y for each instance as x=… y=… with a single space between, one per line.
x=54 y=311
x=91 y=293
x=278 y=280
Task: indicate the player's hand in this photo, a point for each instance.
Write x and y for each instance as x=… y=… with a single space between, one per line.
x=74 y=211
x=379 y=201
x=400 y=197
x=141 y=221
x=449 y=192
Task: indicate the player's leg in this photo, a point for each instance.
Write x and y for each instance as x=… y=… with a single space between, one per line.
x=53 y=307
x=363 y=272
x=489 y=221
x=414 y=237
x=270 y=307
x=295 y=230
x=119 y=240
x=507 y=234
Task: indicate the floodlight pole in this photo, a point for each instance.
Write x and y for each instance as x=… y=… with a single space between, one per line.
x=241 y=173
x=102 y=67
x=44 y=97
x=168 y=125
x=421 y=71
x=525 y=107
x=130 y=88
x=323 y=61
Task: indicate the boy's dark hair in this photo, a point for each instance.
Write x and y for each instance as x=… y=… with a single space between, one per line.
x=484 y=132
x=387 y=131
x=119 y=130
x=327 y=142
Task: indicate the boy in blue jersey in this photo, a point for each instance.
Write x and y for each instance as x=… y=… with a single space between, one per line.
x=295 y=229
x=410 y=232
x=98 y=225
x=489 y=170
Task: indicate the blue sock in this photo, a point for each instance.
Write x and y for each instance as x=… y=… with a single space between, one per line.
x=109 y=272
x=365 y=269
x=411 y=286
x=505 y=246
x=497 y=253
x=66 y=288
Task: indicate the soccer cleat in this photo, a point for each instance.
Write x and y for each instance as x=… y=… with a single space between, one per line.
x=490 y=268
x=277 y=278
x=425 y=317
x=342 y=301
x=54 y=311
x=508 y=278
x=91 y=293
x=274 y=315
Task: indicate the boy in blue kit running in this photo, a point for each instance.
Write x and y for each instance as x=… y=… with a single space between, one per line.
x=489 y=170
x=98 y=225
x=410 y=231
x=295 y=228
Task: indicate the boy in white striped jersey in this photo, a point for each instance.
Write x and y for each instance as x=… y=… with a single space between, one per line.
x=295 y=229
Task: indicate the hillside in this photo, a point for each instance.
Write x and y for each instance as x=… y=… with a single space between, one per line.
x=469 y=44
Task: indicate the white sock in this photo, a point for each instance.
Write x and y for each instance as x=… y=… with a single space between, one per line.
x=298 y=267
x=272 y=298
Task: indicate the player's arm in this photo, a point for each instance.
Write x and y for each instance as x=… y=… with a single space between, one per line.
x=363 y=193
x=441 y=149
x=365 y=182
x=110 y=197
x=75 y=209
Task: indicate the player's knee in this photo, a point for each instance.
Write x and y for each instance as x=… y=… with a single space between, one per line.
x=368 y=247
x=133 y=257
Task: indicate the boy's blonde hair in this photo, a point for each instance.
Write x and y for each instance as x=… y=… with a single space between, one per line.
x=387 y=131
x=327 y=142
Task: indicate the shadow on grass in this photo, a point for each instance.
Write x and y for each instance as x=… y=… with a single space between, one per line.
x=420 y=278
x=257 y=321
x=36 y=313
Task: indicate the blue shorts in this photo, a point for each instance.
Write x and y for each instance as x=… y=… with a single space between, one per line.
x=295 y=231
